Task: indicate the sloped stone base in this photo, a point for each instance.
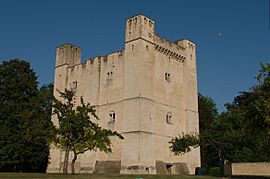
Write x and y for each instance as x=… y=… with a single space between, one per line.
x=111 y=167
x=172 y=168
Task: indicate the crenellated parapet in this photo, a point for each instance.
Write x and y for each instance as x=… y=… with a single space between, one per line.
x=140 y=27
x=67 y=54
x=169 y=49
x=96 y=59
x=170 y=53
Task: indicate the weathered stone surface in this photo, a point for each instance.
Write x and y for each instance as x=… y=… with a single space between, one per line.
x=171 y=168
x=112 y=167
x=251 y=169
x=181 y=168
x=150 y=87
x=161 y=168
x=227 y=168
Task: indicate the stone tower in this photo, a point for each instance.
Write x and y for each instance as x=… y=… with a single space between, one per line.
x=147 y=92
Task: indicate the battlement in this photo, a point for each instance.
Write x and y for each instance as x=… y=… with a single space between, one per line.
x=140 y=26
x=137 y=27
x=185 y=43
x=163 y=41
x=104 y=57
x=67 y=54
x=169 y=48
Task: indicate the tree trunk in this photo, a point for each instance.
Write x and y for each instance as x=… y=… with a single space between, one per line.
x=73 y=163
x=21 y=167
x=65 y=165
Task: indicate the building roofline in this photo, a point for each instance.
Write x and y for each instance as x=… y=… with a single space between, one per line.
x=68 y=44
x=107 y=54
x=140 y=14
x=175 y=41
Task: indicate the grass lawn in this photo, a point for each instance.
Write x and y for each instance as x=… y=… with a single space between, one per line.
x=95 y=176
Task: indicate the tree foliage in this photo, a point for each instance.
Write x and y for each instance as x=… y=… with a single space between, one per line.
x=208 y=116
x=182 y=144
x=25 y=122
x=241 y=134
x=207 y=112
x=248 y=121
x=76 y=132
x=206 y=139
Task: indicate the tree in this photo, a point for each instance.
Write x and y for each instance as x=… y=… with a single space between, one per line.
x=262 y=103
x=182 y=144
x=208 y=116
x=241 y=134
x=205 y=139
x=249 y=118
x=76 y=132
x=43 y=123
x=24 y=119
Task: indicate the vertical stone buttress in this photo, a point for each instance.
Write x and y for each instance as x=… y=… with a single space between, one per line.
x=139 y=50
x=191 y=100
x=67 y=55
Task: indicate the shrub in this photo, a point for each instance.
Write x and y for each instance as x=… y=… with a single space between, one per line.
x=215 y=171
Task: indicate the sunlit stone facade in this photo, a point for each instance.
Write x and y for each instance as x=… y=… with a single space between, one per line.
x=147 y=92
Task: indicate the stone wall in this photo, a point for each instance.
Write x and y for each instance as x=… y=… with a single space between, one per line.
x=171 y=168
x=251 y=169
x=150 y=87
x=112 y=167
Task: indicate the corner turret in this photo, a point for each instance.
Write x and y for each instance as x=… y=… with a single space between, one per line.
x=68 y=54
x=140 y=27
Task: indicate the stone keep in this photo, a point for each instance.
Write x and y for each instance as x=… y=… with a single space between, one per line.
x=147 y=92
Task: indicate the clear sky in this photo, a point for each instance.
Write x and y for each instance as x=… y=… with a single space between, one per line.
x=232 y=36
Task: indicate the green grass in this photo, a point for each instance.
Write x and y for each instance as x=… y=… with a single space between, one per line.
x=94 y=176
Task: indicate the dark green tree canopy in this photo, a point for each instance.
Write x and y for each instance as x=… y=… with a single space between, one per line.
x=207 y=112
x=248 y=118
x=241 y=134
x=17 y=81
x=24 y=118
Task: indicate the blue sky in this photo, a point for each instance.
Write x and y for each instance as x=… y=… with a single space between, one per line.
x=232 y=37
